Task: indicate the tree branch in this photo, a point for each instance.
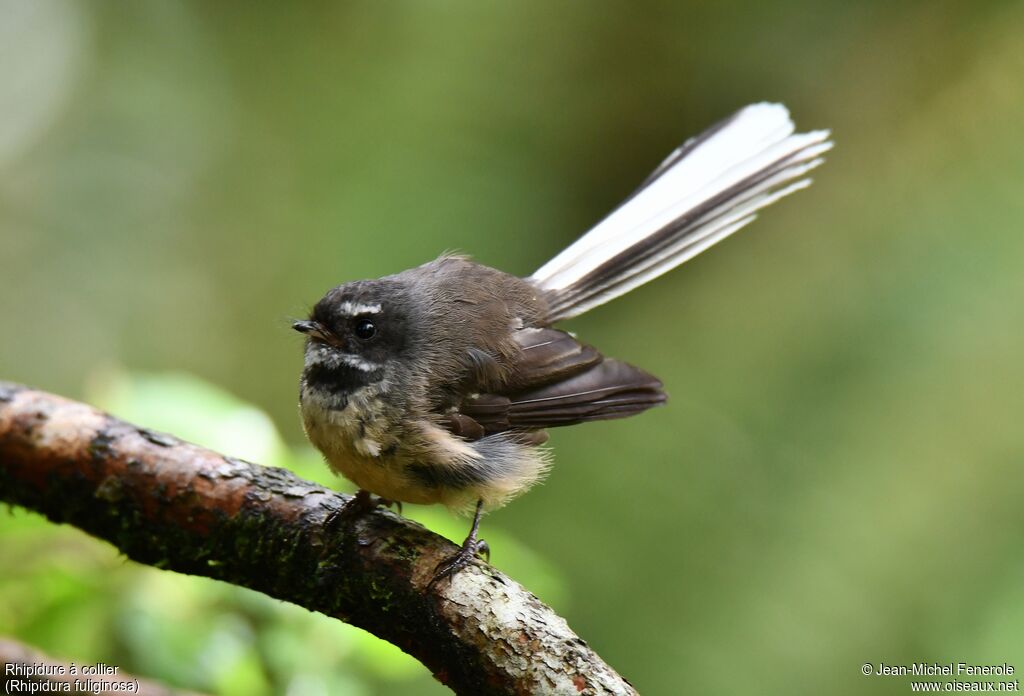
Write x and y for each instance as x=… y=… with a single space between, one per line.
x=177 y=506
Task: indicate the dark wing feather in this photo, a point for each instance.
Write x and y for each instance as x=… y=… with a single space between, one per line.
x=609 y=389
x=546 y=356
x=555 y=381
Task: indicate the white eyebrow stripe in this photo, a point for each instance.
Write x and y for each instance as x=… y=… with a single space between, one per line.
x=355 y=308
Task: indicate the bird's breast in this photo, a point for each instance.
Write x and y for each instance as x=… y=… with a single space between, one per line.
x=361 y=438
x=359 y=421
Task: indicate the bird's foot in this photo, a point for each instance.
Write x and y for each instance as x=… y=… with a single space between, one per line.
x=472 y=548
x=358 y=505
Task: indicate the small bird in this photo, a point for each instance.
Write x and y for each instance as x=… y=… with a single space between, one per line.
x=436 y=384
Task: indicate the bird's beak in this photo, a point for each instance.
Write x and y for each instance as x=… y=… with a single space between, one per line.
x=317 y=332
x=306 y=327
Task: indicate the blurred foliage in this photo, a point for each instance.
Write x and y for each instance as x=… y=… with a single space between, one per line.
x=839 y=474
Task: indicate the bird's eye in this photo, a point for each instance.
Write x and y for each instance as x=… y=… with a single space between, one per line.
x=365 y=329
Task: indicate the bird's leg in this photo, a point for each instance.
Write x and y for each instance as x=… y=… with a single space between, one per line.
x=361 y=503
x=471 y=548
x=358 y=505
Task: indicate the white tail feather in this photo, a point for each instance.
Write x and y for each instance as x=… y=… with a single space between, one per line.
x=703 y=192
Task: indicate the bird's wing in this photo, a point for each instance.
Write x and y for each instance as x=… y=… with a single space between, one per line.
x=555 y=380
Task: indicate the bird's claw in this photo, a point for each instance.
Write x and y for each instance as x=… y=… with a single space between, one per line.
x=471 y=550
x=357 y=506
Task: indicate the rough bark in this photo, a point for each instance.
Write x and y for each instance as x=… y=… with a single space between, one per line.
x=177 y=506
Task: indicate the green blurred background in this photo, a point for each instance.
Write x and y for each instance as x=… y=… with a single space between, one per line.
x=838 y=477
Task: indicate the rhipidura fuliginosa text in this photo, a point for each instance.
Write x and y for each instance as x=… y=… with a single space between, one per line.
x=436 y=384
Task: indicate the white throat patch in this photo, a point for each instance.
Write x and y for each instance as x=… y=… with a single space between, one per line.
x=331 y=358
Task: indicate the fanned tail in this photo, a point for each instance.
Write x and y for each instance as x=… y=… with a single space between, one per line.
x=707 y=189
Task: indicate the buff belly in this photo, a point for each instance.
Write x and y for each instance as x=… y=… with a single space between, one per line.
x=360 y=443
x=416 y=462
